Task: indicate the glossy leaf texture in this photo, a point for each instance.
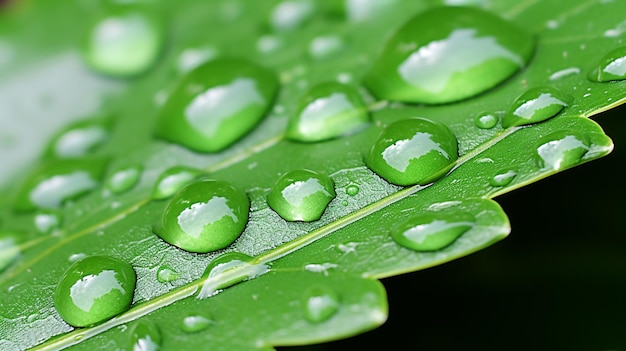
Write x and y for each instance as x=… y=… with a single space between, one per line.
x=281 y=282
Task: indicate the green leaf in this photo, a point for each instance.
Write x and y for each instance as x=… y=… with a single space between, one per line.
x=288 y=283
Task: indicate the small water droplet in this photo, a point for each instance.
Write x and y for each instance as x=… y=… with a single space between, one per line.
x=93 y=290
x=79 y=139
x=486 y=121
x=126 y=41
x=320 y=267
x=144 y=336
x=535 y=105
x=9 y=250
x=57 y=181
x=561 y=150
x=227 y=270
x=204 y=216
x=352 y=189
x=32 y=317
x=564 y=73
x=75 y=257
x=195 y=323
x=47 y=221
x=288 y=15
x=413 y=151
x=503 y=178
x=347 y=247
x=172 y=180
x=216 y=104
x=325 y=46
x=611 y=67
x=320 y=304
x=432 y=231
x=327 y=111
x=301 y=195
x=191 y=58
x=447 y=54
x=267 y=44
x=124 y=179
x=166 y=274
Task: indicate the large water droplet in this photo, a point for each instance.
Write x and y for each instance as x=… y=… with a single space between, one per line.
x=413 y=151
x=93 y=290
x=144 y=336
x=166 y=274
x=227 y=270
x=216 y=104
x=124 y=179
x=126 y=41
x=611 y=67
x=561 y=149
x=447 y=54
x=58 y=181
x=79 y=139
x=195 y=323
x=9 y=250
x=503 y=178
x=172 y=180
x=535 y=105
x=204 y=216
x=486 y=121
x=320 y=303
x=47 y=221
x=301 y=195
x=432 y=231
x=327 y=111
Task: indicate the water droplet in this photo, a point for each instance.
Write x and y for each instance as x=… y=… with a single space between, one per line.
x=9 y=250
x=172 y=180
x=268 y=43
x=191 y=58
x=166 y=274
x=448 y=54
x=204 y=216
x=535 y=105
x=75 y=257
x=32 y=317
x=503 y=178
x=611 y=67
x=93 y=290
x=413 y=151
x=79 y=139
x=325 y=46
x=564 y=73
x=561 y=150
x=144 y=336
x=320 y=303
x=124 y=42
x=124 y=179
x=289 y=15
x=216 y=104
x=486 y=121
x=195 y=323
x=432 y=231
x=227 y=270
x=60 y=180
x=352 y=189
x=47 y=221
x=327 y=111
x=301 y=195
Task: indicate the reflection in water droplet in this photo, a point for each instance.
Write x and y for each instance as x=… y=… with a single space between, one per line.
x=564 y=73
x=191 y=58
x=486 y=121
x=227 y=270
x=79 y=139
x=327 y=111
x=93 y=290
x=503 y=178
x=301 y=195
x=172 y=180
x=9 y=250
x=352 y=189
x=124 y=179
x=216 y=104
x=204 y=216
x=432 y=231
x=195 y=323
x=291 y=14
x=46 y=222
x=325 y=46
x=413 y=151
x=561 y=150
x=166 y=274
x=611 y=67
x=320 y=303
x=535 y=105
x=447 y=54
x=144 y=336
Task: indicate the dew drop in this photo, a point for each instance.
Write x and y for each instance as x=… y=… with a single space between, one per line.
x=432 y=231
x=166 y=274
x=320 y=303
x=611 y=67
x=352 y=189
x=144 y=336
x=227 y=270
x=325 y=46
x=535 y=105
x=195 y=323
x=79 y=139
x=448 y=54
x=191 y=58
x=204 y=216
x=172 y=180
x=124 y=179
x=32 y=317
x=47 y=222
x=561 y=150
x=301 y=195
x=58 y=181
x=9 y=250
x=288 y=15
x=486 y=121
x=216 y=104
x=327 y=111
x=503 y=178
x=93 y=290
x=413 y=151
x=126 y=41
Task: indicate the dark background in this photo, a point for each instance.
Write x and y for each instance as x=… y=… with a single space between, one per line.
x=558 y=282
